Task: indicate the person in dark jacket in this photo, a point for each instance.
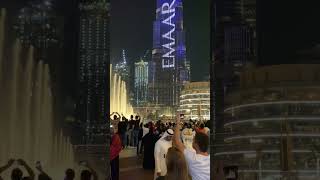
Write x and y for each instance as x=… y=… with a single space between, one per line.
x=139 y=146
x=149 y=141
x=136 y=131
x=122 y=131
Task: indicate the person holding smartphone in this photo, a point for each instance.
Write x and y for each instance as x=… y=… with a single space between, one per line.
x=198 y=158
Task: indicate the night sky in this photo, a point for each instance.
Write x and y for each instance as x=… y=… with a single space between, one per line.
x=285 y=29
x=131 y=29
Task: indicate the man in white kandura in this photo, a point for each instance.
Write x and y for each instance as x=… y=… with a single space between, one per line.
x=160 y=153
x=187 y=136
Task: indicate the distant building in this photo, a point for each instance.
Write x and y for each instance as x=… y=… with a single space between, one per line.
x=238 y=47
x=39 y=26
x=195 y=101
x=272 y=122
x=122 y=68
x=234 y=47
x=93 y=65
x=151 y=81
x=141 y=82
x=171 y=68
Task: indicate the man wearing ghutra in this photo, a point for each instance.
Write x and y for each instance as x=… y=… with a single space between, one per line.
x=160 y=153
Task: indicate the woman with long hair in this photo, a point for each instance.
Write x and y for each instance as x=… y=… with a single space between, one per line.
x=176 y=165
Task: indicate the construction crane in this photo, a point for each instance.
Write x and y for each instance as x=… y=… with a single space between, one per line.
x=145 y=54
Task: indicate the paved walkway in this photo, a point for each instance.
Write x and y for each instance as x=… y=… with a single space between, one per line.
x=131 y=166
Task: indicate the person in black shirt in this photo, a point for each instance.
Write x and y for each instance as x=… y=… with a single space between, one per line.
x=130 y=131
x=122 y=131
x=149 y=141
x=136 y=131
x=16 y=173
x=139 y=146
x=70 y=174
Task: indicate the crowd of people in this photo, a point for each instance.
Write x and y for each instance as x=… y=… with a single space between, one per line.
x=128 y=129
x=174 y=150
x=17 y=173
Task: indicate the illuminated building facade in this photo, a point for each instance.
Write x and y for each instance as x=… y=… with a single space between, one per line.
x=37 y=25
x=272 y=123
x=122 y=67
x=195 y=101
x=93 y=66
x=234 y=47
x=168 y=54
x=141 y=82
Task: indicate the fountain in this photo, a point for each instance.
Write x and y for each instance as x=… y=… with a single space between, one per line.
x=118 y=95
x=26 y=112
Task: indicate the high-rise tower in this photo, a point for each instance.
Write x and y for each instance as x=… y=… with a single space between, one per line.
x=141 y=72
x=122 y=68
x=93 y=66
x=168 y=54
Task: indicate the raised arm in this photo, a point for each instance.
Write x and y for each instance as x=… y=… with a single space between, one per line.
x=29 y=170
x=7 y=166
x=177 y=136
x=39 y=168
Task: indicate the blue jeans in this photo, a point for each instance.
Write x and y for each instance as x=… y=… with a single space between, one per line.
x=129 y=140
x=135 y=137
x=123 y=139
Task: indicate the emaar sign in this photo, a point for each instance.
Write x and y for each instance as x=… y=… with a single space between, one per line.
x=168 y=38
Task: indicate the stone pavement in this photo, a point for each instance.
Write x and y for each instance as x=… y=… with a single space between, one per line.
x=131 y=166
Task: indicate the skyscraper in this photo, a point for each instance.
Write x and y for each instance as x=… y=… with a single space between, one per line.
x=234 y=37
x=141 y=82
x=122 y=67
x=93 y=66
x=234 y=47
x=168 y=54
